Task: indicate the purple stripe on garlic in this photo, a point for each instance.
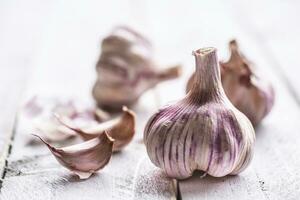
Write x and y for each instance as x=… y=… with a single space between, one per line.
x=246 y=89
x=203 y=131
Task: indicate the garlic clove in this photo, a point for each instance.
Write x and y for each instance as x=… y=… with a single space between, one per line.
x=101 y=115
x=245 y=88
x=86 y=158
x=126 y=70
x=38 y=116
x=52 y=131
x=203 y=131
x=121 y=129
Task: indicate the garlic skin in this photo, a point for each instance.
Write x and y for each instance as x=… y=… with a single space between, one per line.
x=203 y=131
x=121 y=129
x=38 y=116
x=86 y=158
x=245 y=88
x=126 y=69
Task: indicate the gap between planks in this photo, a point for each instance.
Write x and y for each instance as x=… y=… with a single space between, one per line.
x=33 y=169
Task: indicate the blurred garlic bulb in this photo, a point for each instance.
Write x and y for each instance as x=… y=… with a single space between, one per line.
x=247 y=91
x=86 y=158
x=126 y=69
x=121 y=129
x=203 y=131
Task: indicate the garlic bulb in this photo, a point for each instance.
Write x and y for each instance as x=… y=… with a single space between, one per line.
x=126 y=69
x=247 y=91
x=121 y=129
x=86 y=158
x=203 y=131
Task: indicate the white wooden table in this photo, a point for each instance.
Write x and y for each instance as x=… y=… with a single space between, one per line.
x=49 y=48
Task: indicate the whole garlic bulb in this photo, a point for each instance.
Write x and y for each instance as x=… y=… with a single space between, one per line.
x=126 y=69
x=203 y=131
x=245 y=88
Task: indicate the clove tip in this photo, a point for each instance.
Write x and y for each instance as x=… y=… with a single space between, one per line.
x=105 y=133
x=46 y=143
x=128 y=111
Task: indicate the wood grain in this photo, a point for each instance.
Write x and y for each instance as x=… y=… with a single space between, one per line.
x=272 y=174
x=63 y=64
x=19 y=38
x=64 y=72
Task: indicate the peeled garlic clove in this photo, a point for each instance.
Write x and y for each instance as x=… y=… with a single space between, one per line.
x=126 y=69
x=86 y=158
x=203 y=131
x=121 y=129
x=247 y=91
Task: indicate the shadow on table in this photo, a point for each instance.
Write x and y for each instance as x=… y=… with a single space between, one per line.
x=200 y=186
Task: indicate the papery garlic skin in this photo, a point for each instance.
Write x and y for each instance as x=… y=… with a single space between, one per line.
x=38 y=115
x=121 y=129
x=203 y=131
x=245 y=88
x=86 y=158
x=126 y=69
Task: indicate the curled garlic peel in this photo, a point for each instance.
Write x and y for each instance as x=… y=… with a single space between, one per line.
x=248 y=91
x=203 y=131
x=38 y=116
x=86 y=158
x=126 y=69
x=121 y=129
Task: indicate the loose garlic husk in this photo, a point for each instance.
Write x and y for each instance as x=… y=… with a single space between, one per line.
x=203 y=131
x=121 y=129
x=247 y=91
x=38 y=114
x=86 y=158
x=126 y=69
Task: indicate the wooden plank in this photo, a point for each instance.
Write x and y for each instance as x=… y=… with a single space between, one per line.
x=273 y=173
x=19 y=35
x=271 y=168
x=198 y=28
x=129 y=175
x=63 y=71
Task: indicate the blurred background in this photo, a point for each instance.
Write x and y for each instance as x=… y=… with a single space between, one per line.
x=50 y=48
x=41 y=38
